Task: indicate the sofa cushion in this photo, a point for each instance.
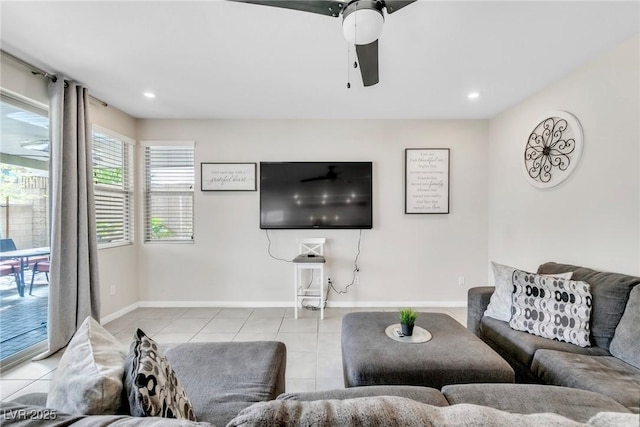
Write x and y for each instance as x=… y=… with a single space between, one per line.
x=428 y=395
x=88 y=379
x=579 y=405
x=152 y=386
x=521 y=346
x=222 y=378
x=551 y=307
x=606 y=375
x=500 y=303
x=388 y=411
x=610 y=292
x=625 y=344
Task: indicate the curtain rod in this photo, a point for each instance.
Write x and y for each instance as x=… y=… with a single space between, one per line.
x=40 y=72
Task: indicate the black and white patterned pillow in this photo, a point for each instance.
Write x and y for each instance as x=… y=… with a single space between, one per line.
x=551 y=307
x=153 y=390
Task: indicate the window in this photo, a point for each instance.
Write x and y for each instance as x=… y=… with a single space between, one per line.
x=113 y=184
x=169 y=176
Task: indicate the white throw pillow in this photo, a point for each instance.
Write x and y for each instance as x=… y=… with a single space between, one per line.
x=500 y=304
x=89 y=376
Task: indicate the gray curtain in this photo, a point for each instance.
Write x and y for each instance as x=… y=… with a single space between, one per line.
x=73 y=281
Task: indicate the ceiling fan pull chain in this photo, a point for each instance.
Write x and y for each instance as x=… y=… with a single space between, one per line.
x=348 y=69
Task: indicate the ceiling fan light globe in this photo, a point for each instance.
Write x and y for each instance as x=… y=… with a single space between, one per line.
x=363 y=26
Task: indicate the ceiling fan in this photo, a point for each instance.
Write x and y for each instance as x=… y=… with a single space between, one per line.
x=362 y=22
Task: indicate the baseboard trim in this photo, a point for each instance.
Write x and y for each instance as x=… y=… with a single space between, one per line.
x=113 y=316
x=270 y=304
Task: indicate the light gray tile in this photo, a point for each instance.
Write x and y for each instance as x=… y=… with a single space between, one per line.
x=255 y=337
x=460 y=314
x=329 y=365
x=234 y=313
x=301 y=365
x=330 y=342
x=329 y=383
x=269 y=312
x=261 y=325
x=433 y=310
x=330 y=324
x=366 y=309
x=172 y=338
x=39 y=386
x=148 y=326
x=49 y=376
x=184 y=326
x=202 y=312
x=125 y=338
x=299 y=325
x=223 y=326
x=298 y=385
x=9 y=387
x=119 y=324
x=29 y=371
x=306 y=342
x=212 y=337
x=335 y=312
x=302 y=313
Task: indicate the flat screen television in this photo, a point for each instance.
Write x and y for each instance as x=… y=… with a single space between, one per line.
x=323 y=195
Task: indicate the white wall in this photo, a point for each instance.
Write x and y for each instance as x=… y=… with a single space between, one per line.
x=415 y=258
x=117 y=265
x=593 y=218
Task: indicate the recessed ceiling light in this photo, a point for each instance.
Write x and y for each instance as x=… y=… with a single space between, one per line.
x=149 y=95
x=473 y=95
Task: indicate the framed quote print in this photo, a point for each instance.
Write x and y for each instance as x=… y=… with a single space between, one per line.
x=426 y=181
x=228 y=176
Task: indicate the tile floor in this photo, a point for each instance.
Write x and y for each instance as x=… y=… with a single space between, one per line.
x=314 y=360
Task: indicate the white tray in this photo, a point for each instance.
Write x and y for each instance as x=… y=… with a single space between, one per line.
x=419 y=336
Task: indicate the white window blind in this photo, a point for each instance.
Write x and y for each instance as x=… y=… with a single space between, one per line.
x=169 y=176
x=113 y=185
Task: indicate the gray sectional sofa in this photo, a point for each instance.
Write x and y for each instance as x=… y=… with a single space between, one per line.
x=242 y=384
x=542 y=360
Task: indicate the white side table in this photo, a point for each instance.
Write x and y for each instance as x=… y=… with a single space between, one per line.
x=311 y=259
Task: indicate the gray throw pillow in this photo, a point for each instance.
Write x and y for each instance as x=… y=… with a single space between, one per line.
x=625 y=344
x=500 y=303
x=89 y=376
x=152 y=387
x=551 y=307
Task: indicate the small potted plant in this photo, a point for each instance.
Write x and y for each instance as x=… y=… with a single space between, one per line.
x=407 y=321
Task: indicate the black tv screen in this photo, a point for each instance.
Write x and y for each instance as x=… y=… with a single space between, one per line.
x=315 y=195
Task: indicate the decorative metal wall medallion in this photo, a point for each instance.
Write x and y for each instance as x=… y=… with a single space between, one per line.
x=553 y=149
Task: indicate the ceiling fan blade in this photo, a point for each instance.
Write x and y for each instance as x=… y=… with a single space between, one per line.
x=322 y=7
x=368 y=60
x=395 y=5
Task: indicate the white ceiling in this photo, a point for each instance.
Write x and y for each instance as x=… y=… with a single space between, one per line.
x=220 y=59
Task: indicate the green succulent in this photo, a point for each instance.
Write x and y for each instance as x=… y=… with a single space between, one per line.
x=408 y=316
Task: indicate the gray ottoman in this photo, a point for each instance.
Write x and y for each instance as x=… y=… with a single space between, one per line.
x=453 y=356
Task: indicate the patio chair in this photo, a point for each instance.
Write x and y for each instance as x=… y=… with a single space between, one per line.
x=7 y=245
x=10 y=267
x=39 y=267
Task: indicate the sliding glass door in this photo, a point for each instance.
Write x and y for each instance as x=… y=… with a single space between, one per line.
x=24 y=226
